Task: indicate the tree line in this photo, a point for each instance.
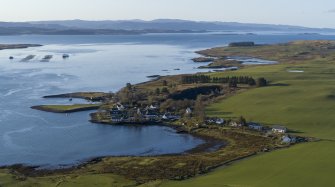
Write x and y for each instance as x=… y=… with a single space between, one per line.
x=232 y=81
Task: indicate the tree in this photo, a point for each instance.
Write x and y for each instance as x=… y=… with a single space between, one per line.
x=165 y=90
x=232 y=83
x=165 y=83
x=251 y=82
x=242 y=121
x=129 y=86
x=199 y=109
x=261 y=82
x=158 y=91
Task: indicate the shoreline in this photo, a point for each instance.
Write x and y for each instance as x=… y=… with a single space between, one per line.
x=36 y=170
x=18 y=46
x=205 y=147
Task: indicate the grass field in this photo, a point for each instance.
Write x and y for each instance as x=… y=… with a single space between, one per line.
x=307 y=165
x=304 y=102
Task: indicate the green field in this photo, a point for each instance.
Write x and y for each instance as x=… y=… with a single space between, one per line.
x=306 y=165
x=305 y=103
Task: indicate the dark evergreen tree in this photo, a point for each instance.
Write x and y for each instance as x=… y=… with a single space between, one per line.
x=158 y=91
x=129 y=86
x=261 y=82
x=165 y=83
x=232 y=83
x=242 y=121
x=165 y=90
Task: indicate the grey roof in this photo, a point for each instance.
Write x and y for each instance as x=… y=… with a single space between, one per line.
x=254 y=124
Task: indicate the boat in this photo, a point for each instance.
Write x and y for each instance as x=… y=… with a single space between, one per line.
x=46 y=58
x=66 y=56
x=28 y=58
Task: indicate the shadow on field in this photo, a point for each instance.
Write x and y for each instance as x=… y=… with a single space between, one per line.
x=295 y=131
x=279 y=84
x=331 y=96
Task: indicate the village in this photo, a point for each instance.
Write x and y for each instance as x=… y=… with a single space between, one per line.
x=150 y=115
x=181 y=103
x=178 y=101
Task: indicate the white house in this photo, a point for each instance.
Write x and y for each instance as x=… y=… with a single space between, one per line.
x=235 y=124
x=139 y=111
x=165 y=117
x=120 y=107
x=188 y=111
x=279 y=129
x=220 y=121
x=152 y=107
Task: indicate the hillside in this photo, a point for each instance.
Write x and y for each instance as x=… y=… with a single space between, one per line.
x=301 y=98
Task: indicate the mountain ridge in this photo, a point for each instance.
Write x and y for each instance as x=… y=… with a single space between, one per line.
x=137 y=26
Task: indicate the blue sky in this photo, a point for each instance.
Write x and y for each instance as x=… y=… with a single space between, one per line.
x=312 y=13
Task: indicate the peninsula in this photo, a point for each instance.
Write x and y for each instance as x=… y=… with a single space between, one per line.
x=17 y=46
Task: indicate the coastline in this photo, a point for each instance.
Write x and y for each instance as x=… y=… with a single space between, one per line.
x=205 y=147
x=211 y=144
x=199 y=151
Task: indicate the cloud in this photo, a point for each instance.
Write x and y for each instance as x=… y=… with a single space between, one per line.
x=331 y=11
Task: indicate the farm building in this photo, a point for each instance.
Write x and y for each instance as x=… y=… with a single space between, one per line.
x=279 y=129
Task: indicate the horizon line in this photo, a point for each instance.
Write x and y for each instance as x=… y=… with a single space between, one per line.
x=171 y=19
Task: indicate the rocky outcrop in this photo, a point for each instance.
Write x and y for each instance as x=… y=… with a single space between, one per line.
x=242 y=44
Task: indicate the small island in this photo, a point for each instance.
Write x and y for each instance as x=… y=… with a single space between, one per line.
x=17 y=46
x=90 y=96
x=66 y=108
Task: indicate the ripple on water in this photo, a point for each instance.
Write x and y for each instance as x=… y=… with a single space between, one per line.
x=7 y=138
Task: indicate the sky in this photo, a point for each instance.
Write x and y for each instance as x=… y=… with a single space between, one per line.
x=310 y=13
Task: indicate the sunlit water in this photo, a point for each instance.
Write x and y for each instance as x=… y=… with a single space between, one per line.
x=96 y=63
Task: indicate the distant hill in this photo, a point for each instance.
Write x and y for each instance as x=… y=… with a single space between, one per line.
x=173 y=24
x=82 y=27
